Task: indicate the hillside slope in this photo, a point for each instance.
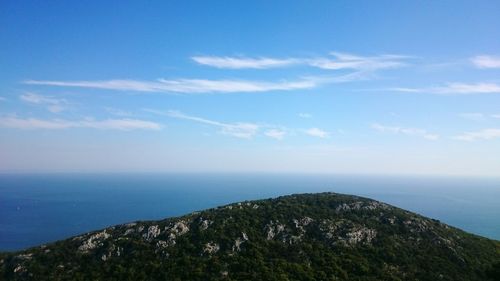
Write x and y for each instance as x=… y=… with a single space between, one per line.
x=323 y=236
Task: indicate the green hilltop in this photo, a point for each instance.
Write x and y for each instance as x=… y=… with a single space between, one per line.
x=323 y=236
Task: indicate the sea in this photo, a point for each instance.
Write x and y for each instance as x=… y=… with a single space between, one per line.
x=40 y=208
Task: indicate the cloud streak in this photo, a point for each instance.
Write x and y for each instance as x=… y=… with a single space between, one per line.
x=361 y=66
x=486 y=61
x=336 y=61
x=53 y=105
x=455 y=89
x=405 y=131
x=486 y=134
x=243 y=130
x=186 y=86
x=238 y=130
x=360 y=63
x=58 y=124
x=243 y=62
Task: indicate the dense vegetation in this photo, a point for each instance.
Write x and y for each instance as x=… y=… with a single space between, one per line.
x=299 y=237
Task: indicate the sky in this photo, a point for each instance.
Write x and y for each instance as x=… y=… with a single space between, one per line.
x=341 y=87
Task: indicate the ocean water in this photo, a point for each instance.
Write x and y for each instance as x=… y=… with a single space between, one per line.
x=36 y=209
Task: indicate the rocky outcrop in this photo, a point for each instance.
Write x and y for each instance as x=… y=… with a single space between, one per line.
x=273 y=228
x=211 y=248
x=93 y=241
x=152 y=233
x=239 y=241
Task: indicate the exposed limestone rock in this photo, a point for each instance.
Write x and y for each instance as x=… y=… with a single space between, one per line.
x=305 y=221
x=211 y=248
x=273 y=228
x=417 y=225
x=25 y=256
x=111 y=252
x=362 y=234
x=153 y=232
x=204 y=224
x=19 y=269
x=329 y=228
x=177 y=229
x=94 y=241
x=359 y=205
x=392 y=220
x=299 y=225
x=161 y=244
x=128 y=231
x=349 y=207
x=180 y=228
x=346 y=233
x=239 y=241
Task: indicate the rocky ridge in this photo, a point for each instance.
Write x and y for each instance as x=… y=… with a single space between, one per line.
x=297 y=237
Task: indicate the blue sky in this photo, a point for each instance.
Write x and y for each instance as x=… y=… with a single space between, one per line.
x=372 y=87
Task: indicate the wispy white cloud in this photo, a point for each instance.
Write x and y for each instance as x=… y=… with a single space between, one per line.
x=463 y=88
x=336 y=61
x=477 y=116
x=315 y=132
x=455 y=89
x=474 y=116
x=53 y=105
x=485 y=134
x=360 y=63
x=485 y=61
x=54 y=124
x=243 y=62
x=275 y=134
x=120 y=124
x=305 y=115
x=187 y=86
x=362 y=66
x=405 y=131
x=245 y=130
x=2 y=99
x=238 y=130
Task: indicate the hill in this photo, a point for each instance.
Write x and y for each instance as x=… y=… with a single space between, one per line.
x=323 y=236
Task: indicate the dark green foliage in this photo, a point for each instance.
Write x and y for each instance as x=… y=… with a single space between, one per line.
x=299 y=237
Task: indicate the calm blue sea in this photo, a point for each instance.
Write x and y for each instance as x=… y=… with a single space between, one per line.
x=36 y=209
